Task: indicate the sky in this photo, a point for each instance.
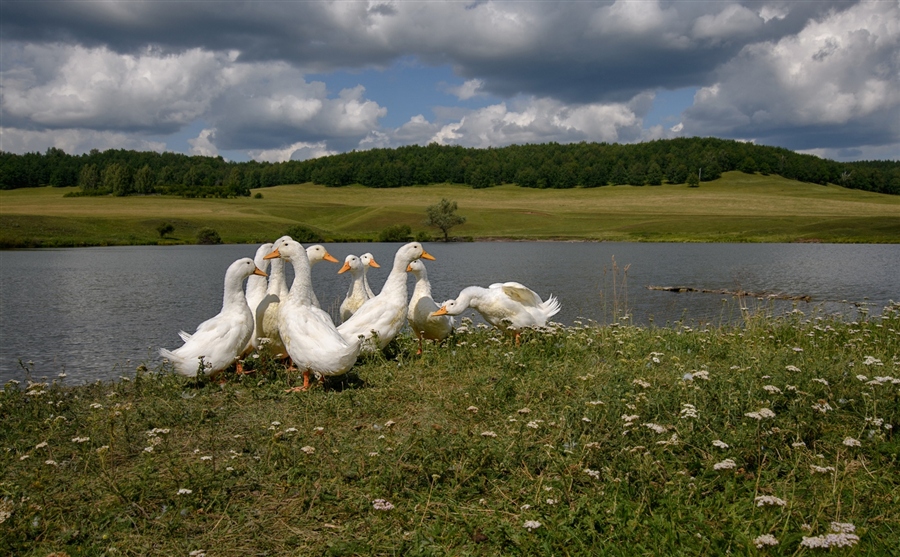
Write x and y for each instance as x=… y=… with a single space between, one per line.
x=295 y=79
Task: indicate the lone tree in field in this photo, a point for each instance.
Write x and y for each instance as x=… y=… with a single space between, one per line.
x=443 y=215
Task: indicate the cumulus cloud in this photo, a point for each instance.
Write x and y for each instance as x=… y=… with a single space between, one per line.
x=838 y=76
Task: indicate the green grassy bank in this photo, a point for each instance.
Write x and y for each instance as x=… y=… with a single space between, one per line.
x=737 y=208
x=772 y=437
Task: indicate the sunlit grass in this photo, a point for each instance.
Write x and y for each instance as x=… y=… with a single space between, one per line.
x=736 y=208
x=616 y=440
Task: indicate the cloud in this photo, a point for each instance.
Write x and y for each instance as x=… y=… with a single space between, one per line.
x=72 y=141
x=251 y=106
x=837 y=78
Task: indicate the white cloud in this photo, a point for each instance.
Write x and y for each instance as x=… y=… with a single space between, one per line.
x=298 y=151
x=467 y=90
x=72 y=141
x=841 y=71
x=733 y=21
x=203 y=145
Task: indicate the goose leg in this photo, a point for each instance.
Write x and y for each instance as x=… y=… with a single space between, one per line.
x=305 y=386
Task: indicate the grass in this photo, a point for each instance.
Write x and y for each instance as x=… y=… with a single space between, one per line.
x=736 y=208
x=586 y=440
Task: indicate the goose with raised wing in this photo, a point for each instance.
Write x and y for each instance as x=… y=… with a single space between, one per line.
x=383 y=316
x=309 y=336
x=219 y=340
x=422 y=306
x=509 y=306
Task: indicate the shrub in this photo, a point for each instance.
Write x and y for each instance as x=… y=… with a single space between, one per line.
x=208 y=236
x=304 y=235
x=423 y=236
x=165 y=229
x=396 y=233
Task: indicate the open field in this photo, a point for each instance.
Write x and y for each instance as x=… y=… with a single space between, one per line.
x=775 y=437
x=736 y=208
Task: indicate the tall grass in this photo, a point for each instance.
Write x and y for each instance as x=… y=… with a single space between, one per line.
x=586 y=440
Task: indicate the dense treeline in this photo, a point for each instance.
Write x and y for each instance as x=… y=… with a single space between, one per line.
x=552 y=165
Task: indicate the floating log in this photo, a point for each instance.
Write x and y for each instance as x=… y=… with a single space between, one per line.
x=740 y=293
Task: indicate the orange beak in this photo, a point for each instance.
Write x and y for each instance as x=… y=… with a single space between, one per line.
x=273 y=255
x=329 y=257
x=345 y=268
x=409 y=268
x=373 y=264
x=260 y=272
x=442 y=311
x=426 y=255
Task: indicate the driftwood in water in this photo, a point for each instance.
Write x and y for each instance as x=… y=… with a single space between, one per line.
x=743 y=293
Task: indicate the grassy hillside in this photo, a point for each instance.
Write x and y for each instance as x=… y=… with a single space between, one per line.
x=737 y=208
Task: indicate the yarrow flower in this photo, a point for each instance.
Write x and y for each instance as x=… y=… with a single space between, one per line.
x=765 y=540
x=720 y=444
x=185 y=491
x=655 y=427
x=382 y=505
x=763 y=500
x=592 y=473
x=488 y=434
x=771 y=389
x=726 y=464
x=851 y=442
x=760 y=414
x=80 y=439
x=532 y=525
x=820 y=469
x=794 y=369
x=688 y=411
x=308 y=450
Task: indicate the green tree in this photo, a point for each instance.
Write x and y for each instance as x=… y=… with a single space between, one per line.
x=443 y=216
x=89 y=178
x=143 y=180
x=693 y=180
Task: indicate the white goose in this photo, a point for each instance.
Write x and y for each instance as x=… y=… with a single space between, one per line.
x=384 y=315
x=421 y=307
x=218 y=341
x=356 y=293
x=316 y=254
x=268 y=307
x=507 y=306
x=368 y=260
x=256 y=291
x=309 y=335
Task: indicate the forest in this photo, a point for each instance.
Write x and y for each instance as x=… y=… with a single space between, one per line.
x=550 y=165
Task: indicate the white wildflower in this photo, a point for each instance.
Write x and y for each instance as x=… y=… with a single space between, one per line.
x=641 y=383
x=820 y=380
x=472 y=409
x=720 y=444
x=688 y=411
x=308 y=450
x=552 y=501
x=382 y=505
x=702 y=374
x=96 y=406
x=206 y=457
x=532 y=525
x=592 y=473
x=185 y=491
x=772 y=389
x=523 y=410
x=797 y=349
x=488 y=434
x=794 y=369
x=862 y=378
x=41 y=445
x=765 y=540
x=851 y=442
x=532 y=425
x=769 y=500
x=820 y=469
x=586 y=420
x=148 y=449
x=798 y=445
x=25 y=457
x=50 y=462
x=726 y=464
x=80 y=439
x=760 y=414
x=872 y=361
x=655 y=427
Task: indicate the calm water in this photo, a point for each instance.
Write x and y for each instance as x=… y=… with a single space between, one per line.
x=96 y=313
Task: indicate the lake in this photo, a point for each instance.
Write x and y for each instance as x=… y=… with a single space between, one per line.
x=96 y=313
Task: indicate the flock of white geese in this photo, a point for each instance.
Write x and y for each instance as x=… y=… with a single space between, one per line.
x=291 y=320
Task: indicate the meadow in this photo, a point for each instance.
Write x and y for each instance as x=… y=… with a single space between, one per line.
x=736 y=208
x=775 y=436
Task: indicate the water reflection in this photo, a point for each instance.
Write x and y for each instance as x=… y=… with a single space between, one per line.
x=96 y=313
